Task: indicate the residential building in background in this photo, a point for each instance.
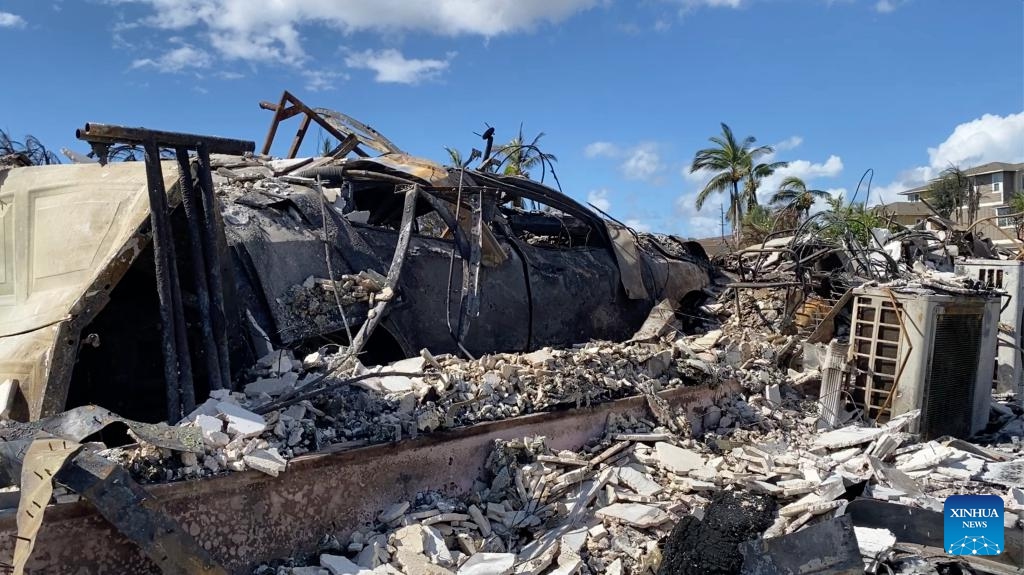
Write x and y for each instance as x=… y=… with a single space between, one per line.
x=996 y=183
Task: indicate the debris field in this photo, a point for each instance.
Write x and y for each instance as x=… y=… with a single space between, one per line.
x=805 y=403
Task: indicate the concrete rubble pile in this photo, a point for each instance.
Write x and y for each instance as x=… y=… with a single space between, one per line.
x=273 y=418
x=611 y=507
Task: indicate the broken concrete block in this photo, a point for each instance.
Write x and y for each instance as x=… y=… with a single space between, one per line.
x=638 y=481
x=489 y=564
x=435 y=548
x=418 y=564
x=308 y=571
x=273 y=386
x=635 y=514
x=773 y=394
x=874 y=543
x=410 y=538
x=569 y=568
x=677 y=459
x=241 y=422
x=8 y=391
x=268 y=461
x=393 y=512
x=1016 y=495
x=847 y=437
x=482 y=523
x=338 y=565
x=410 y=365
x=614 y=568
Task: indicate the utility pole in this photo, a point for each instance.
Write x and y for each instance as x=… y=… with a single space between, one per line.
x=721 y=208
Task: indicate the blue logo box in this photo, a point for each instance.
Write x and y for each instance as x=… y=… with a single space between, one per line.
x=973 y=525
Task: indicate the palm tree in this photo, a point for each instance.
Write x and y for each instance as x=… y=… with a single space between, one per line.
x=731 y=161
x=454 y=155
x=951 y=192
x=793 y=194
x=520 y=157
x=752 y=181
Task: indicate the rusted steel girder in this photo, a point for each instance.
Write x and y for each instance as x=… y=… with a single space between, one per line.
x=244 y=519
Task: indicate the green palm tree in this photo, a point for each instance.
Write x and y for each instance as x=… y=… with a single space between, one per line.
x=454 y=156
x=520 y=157
x=793 y=194
x=732 y=161
x=752 y=181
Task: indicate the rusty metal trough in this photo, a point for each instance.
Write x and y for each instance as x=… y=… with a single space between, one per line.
x=246 y=518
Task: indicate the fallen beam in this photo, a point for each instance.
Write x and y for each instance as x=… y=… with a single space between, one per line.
x=244 y=519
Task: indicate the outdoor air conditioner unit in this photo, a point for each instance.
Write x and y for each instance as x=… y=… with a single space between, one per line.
x=1006 y=275
x=924 y=351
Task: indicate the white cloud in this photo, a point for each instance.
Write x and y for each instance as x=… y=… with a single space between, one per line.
x=599 y=199
x=638 y=225
x=601 y=149
x=804 y=169
x=990 y=138
x=704 y=223
x=321 y=80
x=687 y=5
x=642 y=163
x=179 y=59
x=789 y=143
x=884 y=6
x=392 y=67
x=8 y=20
x=268 y=29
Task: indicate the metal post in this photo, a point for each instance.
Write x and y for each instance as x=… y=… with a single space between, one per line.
x=213 y=265
x=193 y=216
x=161 y=237
x=185 y=388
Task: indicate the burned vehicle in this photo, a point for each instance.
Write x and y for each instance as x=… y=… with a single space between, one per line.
x=366 y=246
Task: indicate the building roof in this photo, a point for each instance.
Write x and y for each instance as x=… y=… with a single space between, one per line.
x=993 y=167
x=904 y=209
x=918 y=190
x=715 y=246
x=989 y=168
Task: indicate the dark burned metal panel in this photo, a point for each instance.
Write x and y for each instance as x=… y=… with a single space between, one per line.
x=503 y=320
x=243 y=519
x=577 y=296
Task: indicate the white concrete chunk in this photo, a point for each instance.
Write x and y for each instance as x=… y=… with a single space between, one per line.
x=638 y=481
x=268 y=461
x=241 y=421
x=272 y=386
x=338 y=565
x=677 y=459
x=847 y=437
x=489 y=564
x=481 y=521
x=435 y=548
x=635 y=514
x=873 y=542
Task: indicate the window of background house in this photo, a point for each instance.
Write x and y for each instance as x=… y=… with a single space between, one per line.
x=1004 y=222
x=997 y=182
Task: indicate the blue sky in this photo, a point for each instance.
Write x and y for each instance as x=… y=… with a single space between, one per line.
x=625 y=91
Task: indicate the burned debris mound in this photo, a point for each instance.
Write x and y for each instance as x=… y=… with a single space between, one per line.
x=709 y=545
